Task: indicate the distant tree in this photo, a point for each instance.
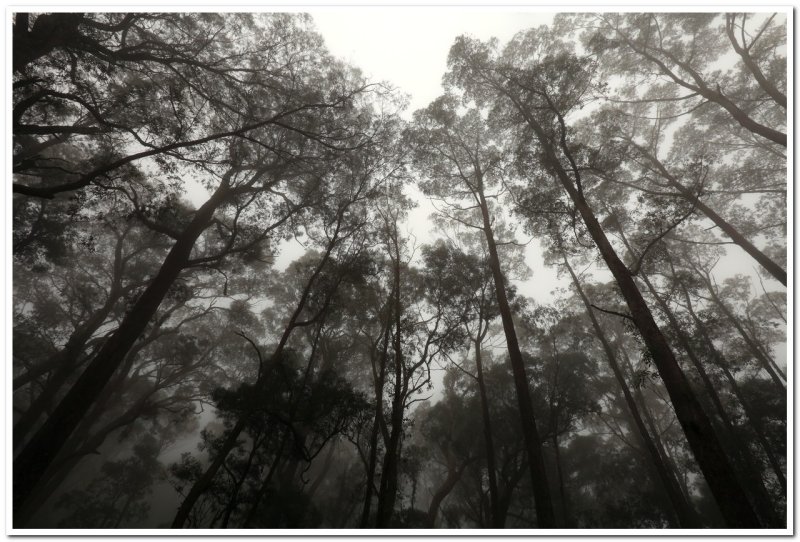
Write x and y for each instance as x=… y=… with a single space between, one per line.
x=117 y=498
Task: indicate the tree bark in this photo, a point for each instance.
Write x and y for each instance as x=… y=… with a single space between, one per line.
x=687 y=517
x=765 y=261
x=488 y=440
x=545 y=517
x=702 y=438
x=40 y=451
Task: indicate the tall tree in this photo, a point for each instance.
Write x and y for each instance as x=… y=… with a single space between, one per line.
x=458 y=150
x=540 y=92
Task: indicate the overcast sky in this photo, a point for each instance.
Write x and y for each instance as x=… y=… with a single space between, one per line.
x=408 y=47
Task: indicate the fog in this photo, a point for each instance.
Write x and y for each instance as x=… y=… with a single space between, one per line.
x=375 y=268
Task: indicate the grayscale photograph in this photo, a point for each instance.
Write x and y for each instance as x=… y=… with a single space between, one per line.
x=399 y=270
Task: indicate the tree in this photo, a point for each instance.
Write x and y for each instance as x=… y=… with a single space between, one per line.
x=558 y=85
x=248 y=174
x=659 y=40
x=457 y=150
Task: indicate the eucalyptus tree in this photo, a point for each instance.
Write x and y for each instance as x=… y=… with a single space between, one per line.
x=109 y=91
x=465 y=259
x=740 y=455
x=460 y=161
x=533 y=85
x=685 y=146
x=697 y=176
x=279 y=170
x=685 y=283
x=342 y=238
x=686 y=516
x=428 y=315
x=683 y=50
x=287 y=418
x=108 y=264
x=157 y=390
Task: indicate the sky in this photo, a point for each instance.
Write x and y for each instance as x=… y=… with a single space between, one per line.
x=408 y=48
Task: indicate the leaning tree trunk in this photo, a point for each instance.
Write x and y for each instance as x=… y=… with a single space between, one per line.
x=702 y=438
x=545 y=517
x=203 y=483
x=755 y=423
x=453 y=476
x=687 y=518
x=744 y=53
x=39 y=452
x=750 y=475
x=766 y=262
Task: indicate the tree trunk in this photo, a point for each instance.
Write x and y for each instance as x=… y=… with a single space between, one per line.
x=554 y=413
x=702 y=438
x=40 y=451
x=238 y=483
x=488 y=440
x=565 y=516
x=766 y=262
x=388 y=487
x=545 y=517
x=65 y=362
x=687 y=518
x=765 y=84
x=453 y=476
x=48 y=32
x=373 y=440
x=750 y=475
x=722 y=364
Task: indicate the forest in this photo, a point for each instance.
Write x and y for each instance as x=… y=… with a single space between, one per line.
x=227 y=315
